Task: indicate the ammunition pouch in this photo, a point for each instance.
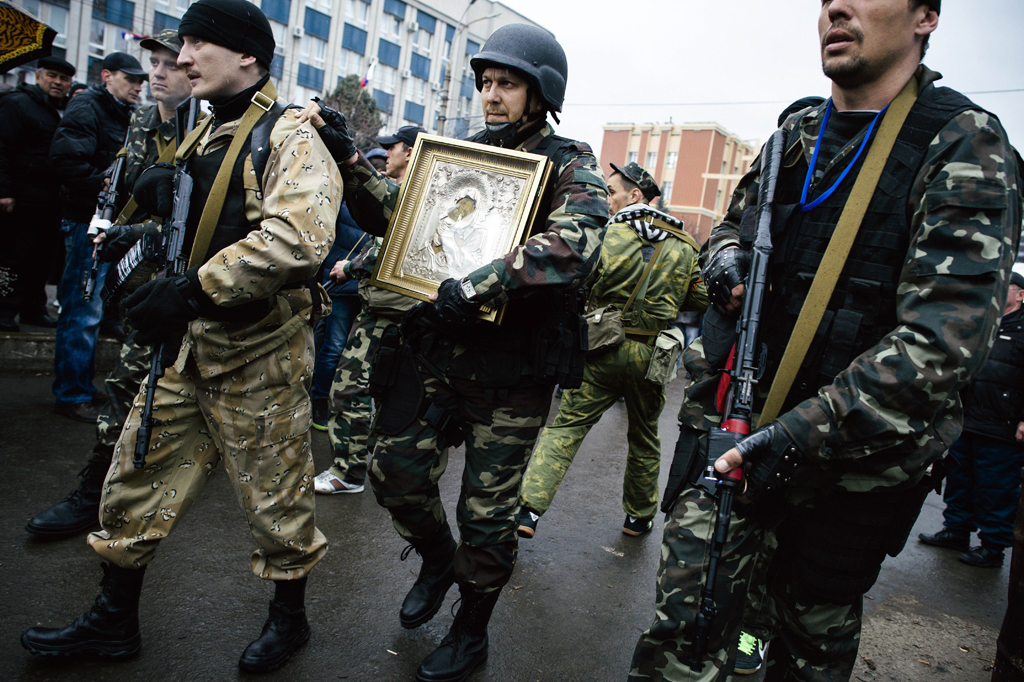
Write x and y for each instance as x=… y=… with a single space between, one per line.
x=396 y=386
x=686 y=465
x=835 y=550
x=560 y=351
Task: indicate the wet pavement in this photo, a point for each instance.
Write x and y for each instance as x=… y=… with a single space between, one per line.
x=581 y=593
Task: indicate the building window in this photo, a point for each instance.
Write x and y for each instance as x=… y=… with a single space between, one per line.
x=424 y=38
x=385 y=101
x=353 y=39
x=357 y=11
x=277 y=66
x=388 y=78
x=389 y=53
x=414 y=113
x=395 y=8
x=449 y=35
x=631 y=157
x=671 y=159
x=119 y=12
x=468 y=86
x=420 y=90
x=310 y=77
x=317 y=24
x=320 y=5
x=419 y=66
x=103 y=39
x=278 y=10
x=51 y=15
x=390 y=26
x=666 y=192
x=162 y=21
x=313 y=51
x=350 y=63
x=652 y=159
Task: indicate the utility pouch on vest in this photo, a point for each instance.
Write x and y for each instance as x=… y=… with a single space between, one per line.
x=668 y=347
x=605 y=329
x=395 y=384
x=681 y=473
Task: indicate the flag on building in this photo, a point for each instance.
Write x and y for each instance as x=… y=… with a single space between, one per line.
x=128 y=35
x=368 y=77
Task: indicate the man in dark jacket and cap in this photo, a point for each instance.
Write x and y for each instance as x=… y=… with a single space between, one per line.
x=85 y=145
x=29 y=217
x=983 y=490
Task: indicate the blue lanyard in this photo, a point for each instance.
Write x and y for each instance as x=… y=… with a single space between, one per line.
x=804 y=206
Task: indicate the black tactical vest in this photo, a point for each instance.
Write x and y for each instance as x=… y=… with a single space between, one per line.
x=862 y=309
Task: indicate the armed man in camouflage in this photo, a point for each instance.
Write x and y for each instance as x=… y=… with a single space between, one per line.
x=875 y=401
x=349 y=425
x=457 y=378
x=637 y=235
x=150 y=134
x=238 y=323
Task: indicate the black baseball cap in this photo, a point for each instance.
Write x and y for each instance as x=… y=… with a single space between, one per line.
x=56 y=64
x=406 y=134
x=1017 y=279
x=122 y=61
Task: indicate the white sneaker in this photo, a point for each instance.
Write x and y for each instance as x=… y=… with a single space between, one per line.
x=327 y=483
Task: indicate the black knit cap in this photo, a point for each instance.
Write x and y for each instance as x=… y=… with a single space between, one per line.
x=235 y=24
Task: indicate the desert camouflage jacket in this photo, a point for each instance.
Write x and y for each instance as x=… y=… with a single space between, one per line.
x=964 y=214
x=561 y=252
x=674 y=284
x=292 y=232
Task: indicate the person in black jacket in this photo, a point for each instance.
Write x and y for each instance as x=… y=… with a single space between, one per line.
x=84 y=147
x=29 y=217
x=983 y=490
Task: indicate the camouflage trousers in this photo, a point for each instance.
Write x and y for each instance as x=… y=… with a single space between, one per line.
x=349 y=427
x=618 y=372
x=121 y=387
x=500 y=426
x=257 y=419
x=812 y=639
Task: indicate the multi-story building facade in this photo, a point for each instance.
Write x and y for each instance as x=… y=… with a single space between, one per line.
x=412 y=46
x=696 y=165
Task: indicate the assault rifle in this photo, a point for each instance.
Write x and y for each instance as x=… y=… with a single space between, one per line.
x=175 y=262
x=742 y=378
x=106 y=211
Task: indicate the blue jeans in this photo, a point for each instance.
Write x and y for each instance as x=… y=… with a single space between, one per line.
x=79 y=321
x=983 y=491
x=329 y=337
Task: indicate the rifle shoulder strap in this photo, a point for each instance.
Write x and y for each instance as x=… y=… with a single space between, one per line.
x=838 y=250
x=261 y=103
x=640 y=290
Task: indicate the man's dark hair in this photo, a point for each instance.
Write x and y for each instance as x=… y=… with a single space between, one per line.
x=628 y=184
x=932 y=4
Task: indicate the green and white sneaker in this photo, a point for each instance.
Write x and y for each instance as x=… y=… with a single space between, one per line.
x=751 y=656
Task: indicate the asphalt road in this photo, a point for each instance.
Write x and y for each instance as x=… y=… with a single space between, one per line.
x=581 y=593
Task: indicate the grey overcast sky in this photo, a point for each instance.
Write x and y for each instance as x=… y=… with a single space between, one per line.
x=627 y=56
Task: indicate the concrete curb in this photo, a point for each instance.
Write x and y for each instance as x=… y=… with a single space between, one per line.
x=33 y=352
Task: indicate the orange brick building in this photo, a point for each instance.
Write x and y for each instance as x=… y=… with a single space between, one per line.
x=697 y=166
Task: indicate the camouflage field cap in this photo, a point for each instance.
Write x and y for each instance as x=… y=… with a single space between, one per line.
x=639 y=177
x=166 y=38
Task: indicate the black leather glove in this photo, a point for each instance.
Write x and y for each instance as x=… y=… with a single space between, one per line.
x=160 y=310
x=335 y=134
x=773 y=458
x=154 y=190
x=452 y=307
x=726 y=270
x=120 y=238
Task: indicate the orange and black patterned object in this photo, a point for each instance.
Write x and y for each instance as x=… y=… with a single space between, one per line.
x=22 y=38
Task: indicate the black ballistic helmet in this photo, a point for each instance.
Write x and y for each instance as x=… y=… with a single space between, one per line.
x=531 y=50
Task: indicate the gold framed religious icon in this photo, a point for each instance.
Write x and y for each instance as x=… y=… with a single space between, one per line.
x=462 y=205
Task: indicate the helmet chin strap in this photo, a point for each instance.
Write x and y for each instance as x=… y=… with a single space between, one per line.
x=509 y=135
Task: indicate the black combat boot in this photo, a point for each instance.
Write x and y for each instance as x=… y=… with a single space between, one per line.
x=436 y=576
x=465 y=645
x=80 y=510
x=284 y=632
x=110 y=629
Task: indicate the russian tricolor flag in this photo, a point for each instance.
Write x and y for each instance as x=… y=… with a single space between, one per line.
x=368 y=77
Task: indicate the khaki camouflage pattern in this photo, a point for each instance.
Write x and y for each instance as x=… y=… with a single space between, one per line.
x=256 y=418
x=405 y=469
x=674 y=285
x=563 y=250
x=964 y=216
x=294 y=225
x=121 y=387
x=351 y=407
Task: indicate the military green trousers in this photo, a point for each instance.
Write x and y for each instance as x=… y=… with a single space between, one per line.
x=349 y=426
x=812 y=639
x=257 y=419
x=606 y=377
x=121 y=387
x=500 y=427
